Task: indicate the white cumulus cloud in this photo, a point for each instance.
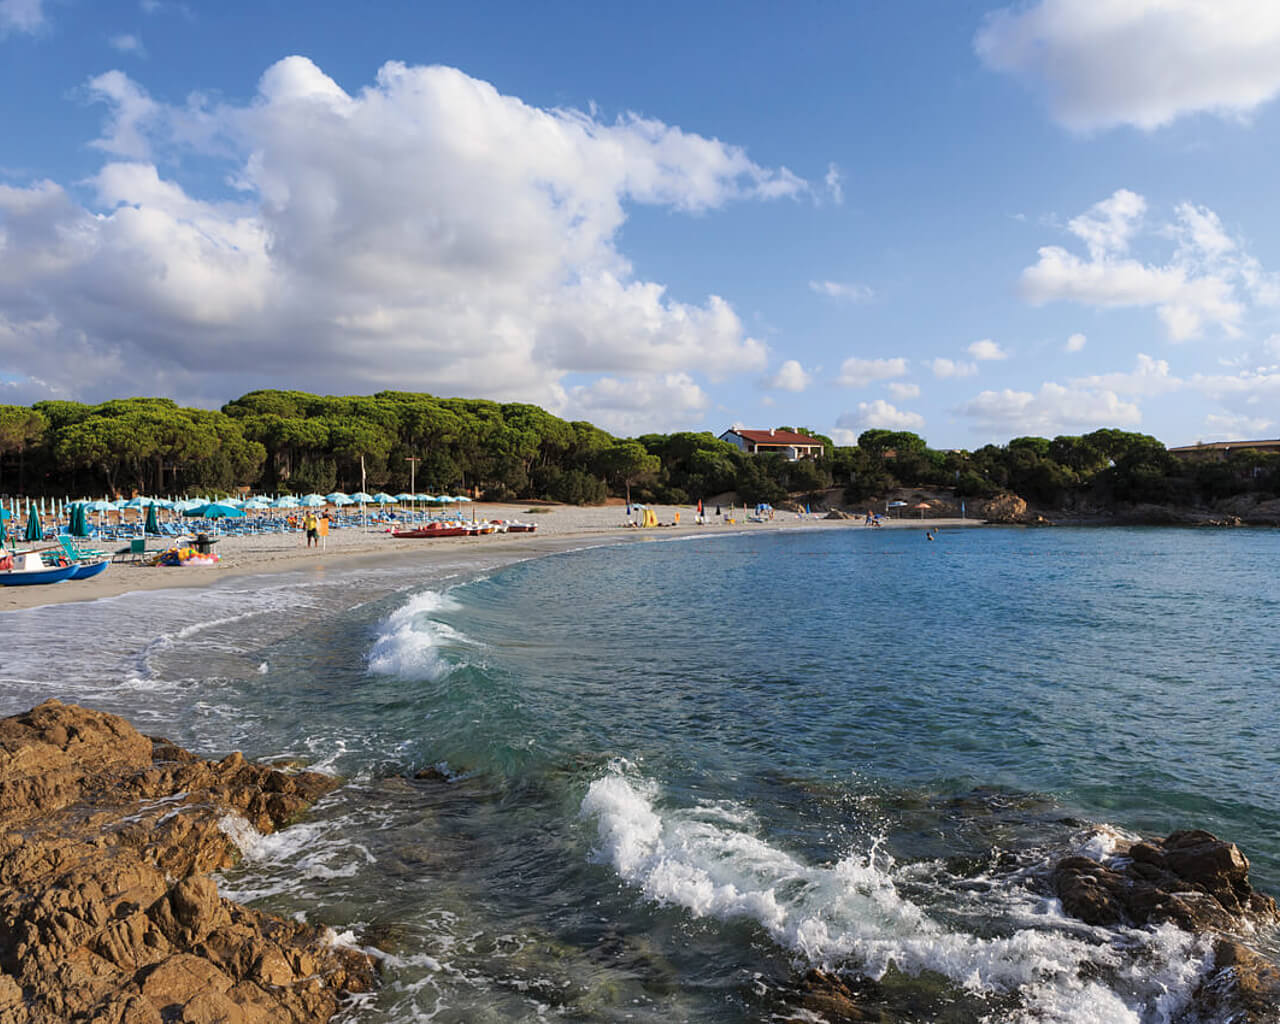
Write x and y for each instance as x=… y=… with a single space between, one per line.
x=791 y=376
x=1229 y=427
x=850 y=291
x=986 y=350
x=858 y=373
x=901 y=389
x=1075 y=343
x=1102 y=63
x=835 y=184
x=944 y=368
x=126 y=42
x=880 y=414
x=1148 y=377
x=1053 y=410
x=1208 y=280
x=385 y=238
x=637 y=405
x=21 y=16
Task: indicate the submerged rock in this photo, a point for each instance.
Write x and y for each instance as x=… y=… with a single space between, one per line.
x=106 y=913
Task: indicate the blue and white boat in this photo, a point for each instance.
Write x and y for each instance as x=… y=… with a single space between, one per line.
x=25 y=568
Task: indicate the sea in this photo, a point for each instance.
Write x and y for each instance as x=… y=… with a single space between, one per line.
x=663 y=781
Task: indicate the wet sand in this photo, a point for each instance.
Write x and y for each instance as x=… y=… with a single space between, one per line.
x=560 y=528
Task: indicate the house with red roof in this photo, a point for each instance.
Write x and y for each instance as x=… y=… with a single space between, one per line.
x=790 y=445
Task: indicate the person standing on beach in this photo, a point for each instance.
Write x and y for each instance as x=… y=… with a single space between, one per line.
x=310 y=524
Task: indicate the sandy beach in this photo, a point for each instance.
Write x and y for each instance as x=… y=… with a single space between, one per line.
x=560 y=528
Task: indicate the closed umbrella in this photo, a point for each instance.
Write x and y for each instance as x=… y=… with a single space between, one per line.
x=35 y=531
x=153 y=521
x=79 y=521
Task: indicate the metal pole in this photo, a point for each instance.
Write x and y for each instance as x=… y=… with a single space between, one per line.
x=413 y=461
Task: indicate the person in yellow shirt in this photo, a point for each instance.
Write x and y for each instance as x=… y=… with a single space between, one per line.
x=311 y=525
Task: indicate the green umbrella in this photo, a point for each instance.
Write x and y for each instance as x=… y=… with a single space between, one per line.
x=153 y=522
x=34 y=530
x=79 y=521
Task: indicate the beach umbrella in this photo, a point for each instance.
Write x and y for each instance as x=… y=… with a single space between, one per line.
x=423 y=497
x=462 y=498
x=336 y=497
x=79 y=520
x=255 y=505
x=383 y=498
x=922 y=506
x=214 y=510
x=313 y=501
x=406 y=496
x=34 y=530
x=361 y=497
x=288 y=501
x=153 y=521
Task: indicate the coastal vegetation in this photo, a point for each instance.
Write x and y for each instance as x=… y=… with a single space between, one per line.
x=294 y=442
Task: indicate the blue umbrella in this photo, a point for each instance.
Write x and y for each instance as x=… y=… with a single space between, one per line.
x=213 y=510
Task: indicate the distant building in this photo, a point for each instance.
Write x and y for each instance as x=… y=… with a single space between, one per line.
x=790 y=446
x=1221 y=450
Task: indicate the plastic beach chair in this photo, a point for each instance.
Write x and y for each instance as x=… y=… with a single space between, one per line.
x=77 y=554
x=137 y=549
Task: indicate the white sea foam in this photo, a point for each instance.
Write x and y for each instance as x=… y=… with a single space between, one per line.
x=316 y=851
x=410 y=639
x=852 y=912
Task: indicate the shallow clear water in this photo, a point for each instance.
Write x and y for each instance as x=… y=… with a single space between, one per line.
x=672 y=776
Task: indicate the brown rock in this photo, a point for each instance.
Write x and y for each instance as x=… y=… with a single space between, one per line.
x=1005 y=508
x=106 y=913
x=1192 y=879
x=1242 y=987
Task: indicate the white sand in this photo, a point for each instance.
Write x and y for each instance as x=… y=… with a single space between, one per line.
x=559 y=527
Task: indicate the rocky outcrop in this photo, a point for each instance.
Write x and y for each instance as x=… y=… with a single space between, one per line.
x=1192 y=879
x=1005 y=508
x=106 y=911
x=1200 y=883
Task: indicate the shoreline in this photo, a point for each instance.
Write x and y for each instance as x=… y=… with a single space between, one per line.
x=560 y=528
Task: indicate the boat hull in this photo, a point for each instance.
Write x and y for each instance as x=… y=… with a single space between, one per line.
x=27 y=578
x=427 y=531
x=87 y=570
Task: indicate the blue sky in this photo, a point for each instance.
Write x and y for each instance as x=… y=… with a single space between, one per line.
x=971 y=220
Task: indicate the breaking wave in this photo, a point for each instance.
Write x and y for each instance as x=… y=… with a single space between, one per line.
x=851 y=914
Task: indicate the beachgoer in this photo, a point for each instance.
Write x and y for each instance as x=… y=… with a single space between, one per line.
x=312 y=526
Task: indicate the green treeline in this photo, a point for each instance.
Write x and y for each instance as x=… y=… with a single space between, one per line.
x=293 y=442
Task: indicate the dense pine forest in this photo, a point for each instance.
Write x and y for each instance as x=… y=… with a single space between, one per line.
x=292 y=442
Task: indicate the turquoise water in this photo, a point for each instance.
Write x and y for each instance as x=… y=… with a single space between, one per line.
x=667 y=778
